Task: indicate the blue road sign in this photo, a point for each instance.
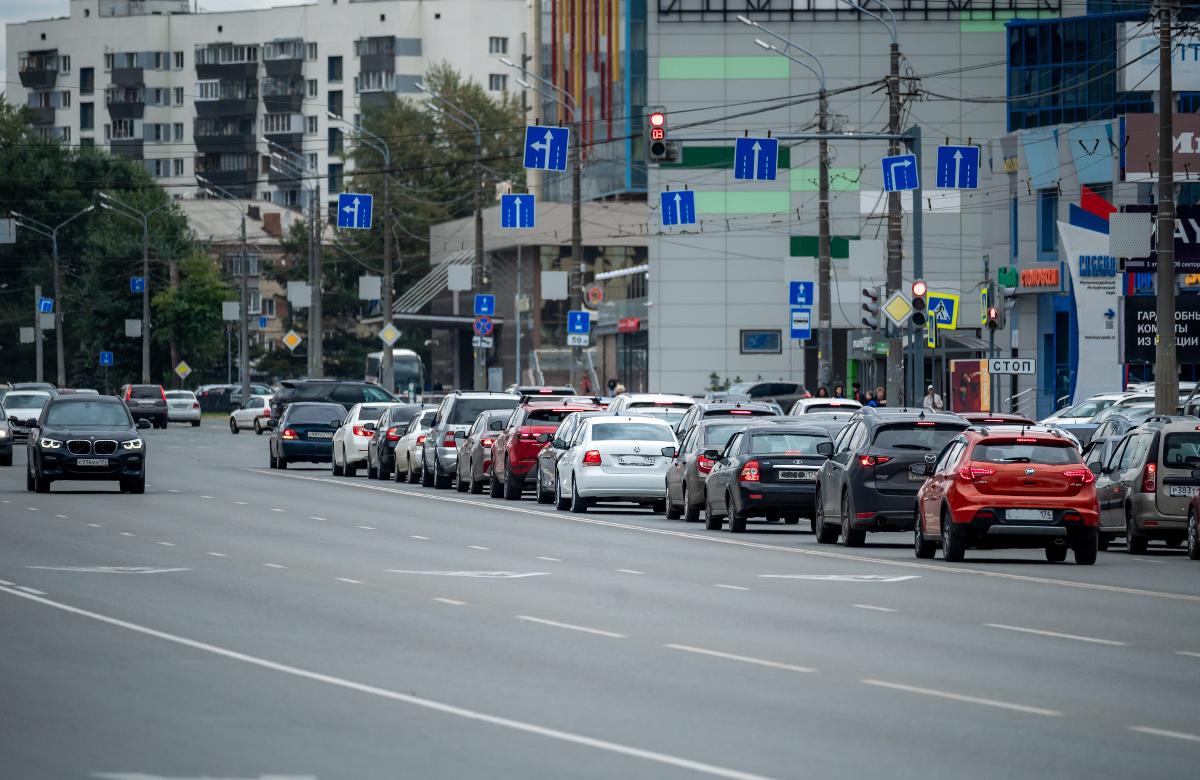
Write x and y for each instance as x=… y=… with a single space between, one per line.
x=485 y=305
x=46 y=305
x=943 y=309
x=900 y=173
x=579 y=322
x=483 y=325
x=517 y=211
x=546 y=147
x=801 y=323
x=354 y=210
x=262 y=323
x=958 y=167
x=800 y=293
x=137 y=284
x=679 y=207
x=106 y=359
x=756 y=158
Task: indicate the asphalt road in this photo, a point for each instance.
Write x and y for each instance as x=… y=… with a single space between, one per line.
x=296 y=625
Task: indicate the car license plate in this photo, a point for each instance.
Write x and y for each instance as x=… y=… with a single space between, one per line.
x=101 y=462
x=320 y=434
x=1185 y=491
x=1040 y=515
x=792 y=474
x=635 y=460
x=145 y=403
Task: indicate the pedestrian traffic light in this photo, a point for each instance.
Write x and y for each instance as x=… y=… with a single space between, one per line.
x=870 y=306
x=994 y=317
x=658 y=148
x=919 y=307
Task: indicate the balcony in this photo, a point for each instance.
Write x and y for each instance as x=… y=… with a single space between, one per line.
x=237 y=180
x=227 y=107
x=283 y=104
x=41 y=115
x=220 y=143
x=126 y=77
x=128 y=148
x=39 y=78
x=285 y=68
x=368 y=100
x=229 y=71
x=282 y=179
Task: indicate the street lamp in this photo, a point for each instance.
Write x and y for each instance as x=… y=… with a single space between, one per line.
x=244 y=334
x=43 y=229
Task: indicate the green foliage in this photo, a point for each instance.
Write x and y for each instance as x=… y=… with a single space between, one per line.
x=193 y=311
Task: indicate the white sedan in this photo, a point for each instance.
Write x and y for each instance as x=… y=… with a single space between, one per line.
x=183 y=406
x=252 y=414
x=618 y=458
x=411 y=445
x=350 y=442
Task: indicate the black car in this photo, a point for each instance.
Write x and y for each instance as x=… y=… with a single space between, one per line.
x=381 y=451
x=783 y=393
x=690 y=466
x=338 y=391
x=146 y=402
x=832 y=422
x=304 y=433
x=705 y=410
x=554 y=447
x=866 y=484
x=475 y=453
x=6 y=438
x=764 y=471
x=86 y=437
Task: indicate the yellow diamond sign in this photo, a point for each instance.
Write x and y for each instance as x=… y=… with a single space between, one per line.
x=292 y=340
x=389 y=333
x=897 y=308
x=183 y=369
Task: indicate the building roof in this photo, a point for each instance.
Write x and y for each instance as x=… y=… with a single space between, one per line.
x=214 y=221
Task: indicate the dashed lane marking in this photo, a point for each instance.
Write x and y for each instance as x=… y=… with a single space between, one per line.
x=62 y=517
x=32 y=508
x=1166 y=733
x=240 y=503
x=347 y=579
x=873 y=608
x=452 y=602
x=274 y=566
x=571 y=627
x=366 y=527
x=548 y=558
x=277 y=509
x=477 y=547
x=630 y=571
x=728 y=587
x=95 y=525
x=1188 y=653
x=314 y=517
x=1056 y=635
x=28 y=589
x=743 y=658
x=1003 y=705
x=423 y=538
x=126 y=533
x=217 y=555
x=166 y=544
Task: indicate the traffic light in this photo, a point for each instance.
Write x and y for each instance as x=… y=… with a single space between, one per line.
x=658 y=148
x=920 y=310
x=870 y=306
x=994 y=318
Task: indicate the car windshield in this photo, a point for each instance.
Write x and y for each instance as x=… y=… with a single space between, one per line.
x=548 y=416
x=783 y=443
x=720 y=435
x=25 y=401
x=319 y=414
x=1182 y=451
x=668 y=414
x=740 y=389
x=1088 y=409
x=740 y=413
x=916 y=436
x=467 y=409
x=370 y=412
x=101 y=414
x=1048 y=453
x=617 y=431
x=146 y=391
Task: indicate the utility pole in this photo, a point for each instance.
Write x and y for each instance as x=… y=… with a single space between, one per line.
x=1166 y=370
x=37 y=331
x=895 y=236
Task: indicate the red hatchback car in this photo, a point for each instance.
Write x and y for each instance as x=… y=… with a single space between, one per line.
x=1007 y=487
x=515 y=450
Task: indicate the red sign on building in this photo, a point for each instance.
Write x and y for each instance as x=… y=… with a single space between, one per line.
x=628 y=325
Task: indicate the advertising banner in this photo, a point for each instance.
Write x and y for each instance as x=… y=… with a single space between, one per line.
x=1187 y=240
x=970 y=386
x=1141 y=329
x=1095 y=367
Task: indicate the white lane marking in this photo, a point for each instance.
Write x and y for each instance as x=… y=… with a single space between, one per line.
x=126 y=533
x=314 y=517
x=1165 y=733
x=1188 y=653
x=274 y=566
x=62 y=517
x=172 y=490
x=108 y=569
x=240 y=503
x=1004 y=705
x=728 y=587
x=477 y=547
x=32 y=508
x=167 y=544
x=570 y=626
x=453 y=602
x=366 y=527
x=712 y=539
x=490 y=575
x=548 y=558
x=559 y=735
x=208 y=497
x=744 y=659
x=630 y=571
x=217 y=555
x=873 y=608
x=1057 y=635
x=5 y=582
x=277 y=509
x=347 y=579
x=840 y=577
x=28 y=589
x=5 y=501
x=414 y=536
x=1147 y=560
x=95 y=525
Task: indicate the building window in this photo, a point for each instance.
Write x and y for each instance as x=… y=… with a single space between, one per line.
x=88 y=142
x=87 y=116
x=178 y=131
x=335 y=141
x=208 y=90
x=87 y=81
x=179 y=96
x=64 y=64
x=312 y=87
x=335 y=69
x=122 y=130
x=497 y=45
x=312 y=161
x=334 y=103
x=64 y=99
x=1048 y=224
x=761 y=342
x=178 y=166
x=178 y=60
x=1014 y=225
x=372 y=81
x=108 y=62
x=277 y=123
x=335 y=177
x=311 y=50
x=497 y=82
x=310 y=125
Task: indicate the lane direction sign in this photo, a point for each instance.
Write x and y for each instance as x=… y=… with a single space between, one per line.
x=106 y=359
x=579 y=322
x=546 y=147
x=354 y=210
x=900 y=173
x=45 y=305
x=800 y=293
x=485 y=304
x=517 y=211
x=137 y=284
x=679 y=207
x=756 y=158
x=958 y=167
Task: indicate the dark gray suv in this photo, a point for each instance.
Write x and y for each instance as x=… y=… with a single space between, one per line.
x=439 y=453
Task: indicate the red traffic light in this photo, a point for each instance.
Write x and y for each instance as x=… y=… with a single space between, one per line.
x=919 y=288
x=658 y=119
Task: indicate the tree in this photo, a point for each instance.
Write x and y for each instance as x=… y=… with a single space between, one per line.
x=193 y=311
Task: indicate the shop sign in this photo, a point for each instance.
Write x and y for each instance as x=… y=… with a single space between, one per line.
x=1040 y=277
x=1007 y=276
x=628 y=325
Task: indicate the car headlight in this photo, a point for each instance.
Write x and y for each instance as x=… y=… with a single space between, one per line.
x=132 y=444
x=50 y=444
x=3 y=432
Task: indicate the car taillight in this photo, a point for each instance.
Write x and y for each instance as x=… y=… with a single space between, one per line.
x=196 y=405
x=591 y=458
x=1150 y=478
x=421 y=439
x=740 y=411
x=703 y=464
x=1082 y=474
x=289 y=433
x=163 y=392
x=393 y=434
x=448 y=439
x=361 y=431
x=749 y=472
x=873 y=460
x=266 y=412
x=487 y=442
x=1026 y=440
x=972 y=473
x=128 y=393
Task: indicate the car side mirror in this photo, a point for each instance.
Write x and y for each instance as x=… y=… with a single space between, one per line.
x=669 y=452
x=712 y=454
x=370 y=426
x=434 y=422
x=543 y=438
x=1196 y=474
x=921 y=469
x=825 y=448
x=271 y=423
x=496 y=425
x=142 y=423
x=336 y=423
x=559 y=444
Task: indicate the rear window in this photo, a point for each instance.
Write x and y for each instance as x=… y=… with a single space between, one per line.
x=17 y=401
x=180 y=395
x=146 y=391
x=911 y=436
x=318 y=414
x=1182 y=451
x=548 y=416
x=370 y=412
x=661 y=405
x=467 y=409
x=720 y=434
x=668 y=414
x=740 y=413
x=309 y=392
x=1048 y=453
x=632 y=431
x=810 y=408
x=785 y=443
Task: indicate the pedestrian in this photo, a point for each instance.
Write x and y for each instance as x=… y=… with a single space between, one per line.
x=612 y=386
x=585 y=385
x=878 y=399
x=619 y=389
x=856 y=391
x=839 y=391
x=822 y=392
x=933 y=401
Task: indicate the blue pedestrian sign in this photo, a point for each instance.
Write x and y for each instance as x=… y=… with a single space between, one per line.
x=958 y=167
x=800 y=293
x=354 y=210
x=679 y=207
x=900 y=173
x=579 y=322
x=943 y=309
x=137 y=284
x=106 y=359
x=45 y=305
x=517 y=211
x=546 y=147
x=483 y=325
x=485 y=306
x=756 y=158
x=801 y=323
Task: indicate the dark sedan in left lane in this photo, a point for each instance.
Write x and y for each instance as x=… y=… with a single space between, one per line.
x=304 y=433
x=86 y=437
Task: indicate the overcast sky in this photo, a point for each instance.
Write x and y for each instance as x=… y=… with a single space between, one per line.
x=27 y=10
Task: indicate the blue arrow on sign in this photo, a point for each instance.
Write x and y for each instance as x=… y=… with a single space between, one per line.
x=546 y=147
x=800 y=293
x=137 y=284
x=46 y=305
x=900 y=173
x=756 y=158
x=485 y=306
x=579 y=321
x=679 y=207
x=958 y=167
x=354 y=210
x=106 y=358
x=517 y=211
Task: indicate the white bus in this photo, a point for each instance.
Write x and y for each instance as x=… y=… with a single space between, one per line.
x=407 y=369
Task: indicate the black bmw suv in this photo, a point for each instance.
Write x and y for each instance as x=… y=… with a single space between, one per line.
x=86 y=437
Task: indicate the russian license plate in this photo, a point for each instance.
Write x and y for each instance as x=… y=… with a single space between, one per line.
x=1185 y=491
x=145 y=403
x=1039 y=515
x=793 y=474
x=320 y=434
x=636 y=460
x=101 y=462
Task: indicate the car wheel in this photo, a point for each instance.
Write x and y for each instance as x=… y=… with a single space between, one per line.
x=954 y=546
x=349 y=469
x=6 y=459
x=1056 y=553
x=41 y=485
x=773 y=518
x=826 y=534
x=660 y=507
x=372 y=471
x=274 y=464
x=281 y=462
x=29 y=484
x=737 y=521
x=1174 y=541
x=440 y=482
x=1085 y=548
x=135 y=486
x=233 y=426
x=669 y=508
x=922 y=547
x=474 y=487
x=1193 y=537
x=512 y=488
x=413 y=475
x=791 y=519
x=1135 y=543
x=1102 y=542
x=559 y=501
x=543 y=495
x=384 y=472
x=495 y=489
x=426 y=477
x=460 y=484
x=579 y=504
x=691 y=512
x=258 y=429
x=333 y=464
x=195 y=423
x=850 y=536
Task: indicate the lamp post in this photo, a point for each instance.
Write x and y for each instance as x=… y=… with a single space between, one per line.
x=43 y=229
x=244 y=330
x=380 y=147
x=142 y=216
